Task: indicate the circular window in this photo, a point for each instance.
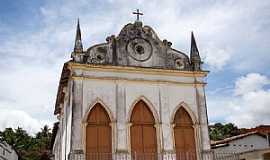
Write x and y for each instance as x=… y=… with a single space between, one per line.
x=179 y=63
x=99 y=57
x=139 y=49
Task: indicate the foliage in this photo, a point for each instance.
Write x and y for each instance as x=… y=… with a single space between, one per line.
x=28 y=147
x=220 y=131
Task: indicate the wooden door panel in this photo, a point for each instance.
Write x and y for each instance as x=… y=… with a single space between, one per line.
x=146 y=114
x=92 y=117
x=102 y=116
x=189 y=139
x=149 y=139
x=98 y=134
x=91 y=139
x=179 y=137
x=136 y=139
x=141 y=114
x=143 y=132
x=184 y=136
x=136 y=114
x=104 y=139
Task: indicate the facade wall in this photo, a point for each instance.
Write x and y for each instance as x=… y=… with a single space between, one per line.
x=118 y=93
x=62 y=145
x=252 y=142
x=68 y=124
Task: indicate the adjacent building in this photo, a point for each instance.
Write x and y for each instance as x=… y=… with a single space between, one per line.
x=242 y=143
x=7 y=152
x=252 y=145
x=257 y=154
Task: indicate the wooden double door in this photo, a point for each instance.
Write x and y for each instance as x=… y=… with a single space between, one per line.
x=98 y=135
x=184 y=136
x=143 y=133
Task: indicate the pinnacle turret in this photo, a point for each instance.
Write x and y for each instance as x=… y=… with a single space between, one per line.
x=194 y=54
x=77 y=54
x=78 y=47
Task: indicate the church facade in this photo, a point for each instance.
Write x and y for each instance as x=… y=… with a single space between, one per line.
x=134 y=96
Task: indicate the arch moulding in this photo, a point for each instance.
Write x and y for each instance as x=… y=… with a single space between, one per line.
x=195 y=126
x=91 y=106
x=84 y=123
x=149 y=105
x=188 y=109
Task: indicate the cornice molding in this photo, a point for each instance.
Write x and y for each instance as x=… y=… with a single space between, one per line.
x=140 y=70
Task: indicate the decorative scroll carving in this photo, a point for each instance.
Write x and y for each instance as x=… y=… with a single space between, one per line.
x=98 y=55
x=137 y=45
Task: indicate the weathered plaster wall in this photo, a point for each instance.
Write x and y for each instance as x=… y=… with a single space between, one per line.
x=118 y=92
x=63 y=136
x=65 y=128
x=57 y=147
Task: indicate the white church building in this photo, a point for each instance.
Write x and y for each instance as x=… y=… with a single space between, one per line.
x=132 y=97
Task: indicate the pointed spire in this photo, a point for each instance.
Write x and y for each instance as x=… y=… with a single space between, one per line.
x=194 y=54
x=78 y=48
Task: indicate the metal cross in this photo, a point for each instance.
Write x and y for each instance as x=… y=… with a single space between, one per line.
x=138 y=14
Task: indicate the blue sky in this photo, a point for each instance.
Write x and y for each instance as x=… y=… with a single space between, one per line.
x=37 y=37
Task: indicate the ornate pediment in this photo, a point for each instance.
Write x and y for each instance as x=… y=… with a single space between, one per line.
x=136 y=45
x=137 y=30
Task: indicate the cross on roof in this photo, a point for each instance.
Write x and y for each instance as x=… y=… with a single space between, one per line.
x=138 y=14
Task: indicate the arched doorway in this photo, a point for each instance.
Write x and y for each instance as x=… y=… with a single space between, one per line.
x=184 y=135
x=98 y=134
x=143 y=133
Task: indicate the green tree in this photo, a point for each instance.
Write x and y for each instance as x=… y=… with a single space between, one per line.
x=29 y=147
x=220 y=131
x=8 y=135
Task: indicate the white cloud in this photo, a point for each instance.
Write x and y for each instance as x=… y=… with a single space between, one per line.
x=218 y=26
x=250 y=83
x=27 y=97
x=248 y=107
x=19 y=118
x=216 y=57
x=251 y=109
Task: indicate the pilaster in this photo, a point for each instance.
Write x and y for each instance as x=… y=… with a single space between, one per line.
x=121 y=136
x=76 y=124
